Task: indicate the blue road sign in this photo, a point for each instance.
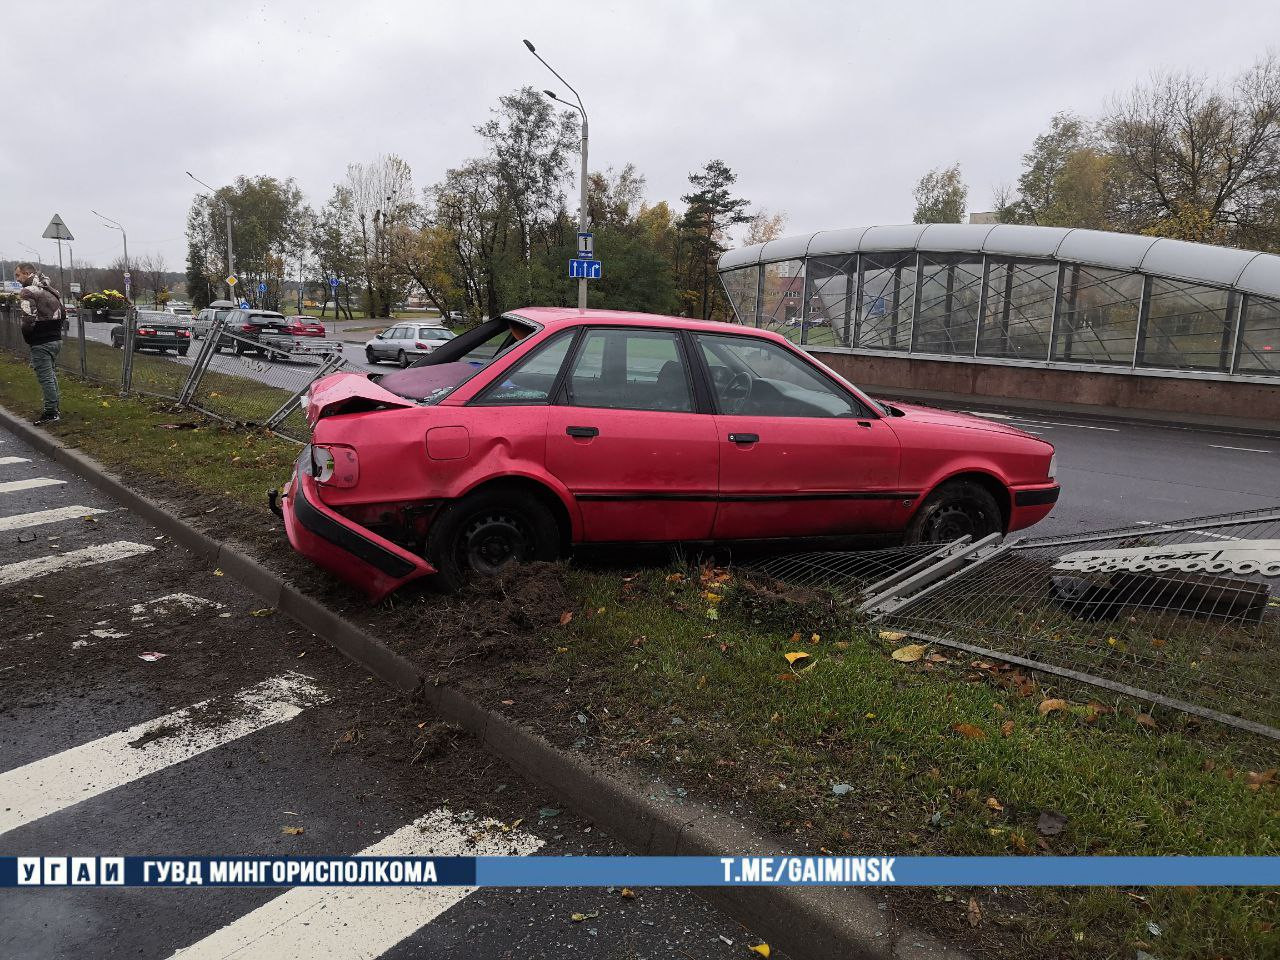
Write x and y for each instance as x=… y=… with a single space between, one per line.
x=585 y=269
x=333 y=282
x=244 y=304
x=262 y=288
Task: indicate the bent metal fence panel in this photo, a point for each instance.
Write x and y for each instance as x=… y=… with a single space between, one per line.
x=1183 y=614
x=245 y=382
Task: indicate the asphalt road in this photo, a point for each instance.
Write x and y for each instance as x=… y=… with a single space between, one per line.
x=100 y=756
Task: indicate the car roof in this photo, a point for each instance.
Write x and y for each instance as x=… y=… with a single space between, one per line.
x=557 y=316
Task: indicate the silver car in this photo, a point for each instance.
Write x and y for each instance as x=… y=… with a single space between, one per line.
x=405 y=343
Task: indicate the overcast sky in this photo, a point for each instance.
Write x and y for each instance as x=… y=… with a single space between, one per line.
x=827 y=111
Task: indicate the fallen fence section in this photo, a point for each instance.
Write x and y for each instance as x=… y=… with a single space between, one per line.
x=1181 y=614
x=225 y=375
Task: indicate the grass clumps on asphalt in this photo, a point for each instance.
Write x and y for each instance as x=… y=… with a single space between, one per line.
x=849 y=750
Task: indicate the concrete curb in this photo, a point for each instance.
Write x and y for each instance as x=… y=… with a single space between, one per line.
x=805 y=922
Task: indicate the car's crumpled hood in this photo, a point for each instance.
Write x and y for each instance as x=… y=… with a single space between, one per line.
x=950 y=418
x=420 y=383
x=347 y=391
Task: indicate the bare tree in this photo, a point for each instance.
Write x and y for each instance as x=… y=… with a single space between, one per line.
x=1197 y=160
x=149 y=272
x=382 y=199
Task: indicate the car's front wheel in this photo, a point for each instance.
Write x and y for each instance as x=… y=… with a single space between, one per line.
x=402 y=358
x=488 y=533
x=369 y=357
x=955 y=509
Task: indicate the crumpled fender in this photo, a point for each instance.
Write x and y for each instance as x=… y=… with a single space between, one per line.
x=338 y=391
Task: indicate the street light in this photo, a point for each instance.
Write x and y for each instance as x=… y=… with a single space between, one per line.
x=26 y=246
x=125 y=237
x=231 y=256
x=582 y=203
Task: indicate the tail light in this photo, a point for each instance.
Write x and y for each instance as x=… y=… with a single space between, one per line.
x=247 y=327
x=335 y=465
x=184 y=333
x=426 y=347
x=146 y=332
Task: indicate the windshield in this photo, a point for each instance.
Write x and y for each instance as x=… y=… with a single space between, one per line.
x=434 y=333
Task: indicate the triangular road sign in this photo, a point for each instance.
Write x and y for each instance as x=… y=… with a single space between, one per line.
x=57 y=230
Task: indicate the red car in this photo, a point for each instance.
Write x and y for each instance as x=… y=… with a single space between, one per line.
x=304 y=327
x=548 y=427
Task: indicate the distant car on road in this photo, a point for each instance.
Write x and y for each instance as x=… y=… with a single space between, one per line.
x=550 y=427
x=455 y=317
x=157 y=331
x=406 y=342
x=218 y=310
x=180 y=310
x=256 y=330
x=300 y=326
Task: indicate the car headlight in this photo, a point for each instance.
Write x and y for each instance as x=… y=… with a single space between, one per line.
x=1053 y=466
x=322 y=464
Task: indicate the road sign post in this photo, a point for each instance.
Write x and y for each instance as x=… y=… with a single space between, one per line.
x=57 y=230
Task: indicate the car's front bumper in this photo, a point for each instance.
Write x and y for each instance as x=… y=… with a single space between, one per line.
x=1033 y=503
x=344 y=548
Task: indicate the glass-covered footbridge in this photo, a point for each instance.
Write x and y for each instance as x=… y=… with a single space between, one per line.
x=1005 y=294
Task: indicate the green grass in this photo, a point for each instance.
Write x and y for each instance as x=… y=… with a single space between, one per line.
x=752 y=729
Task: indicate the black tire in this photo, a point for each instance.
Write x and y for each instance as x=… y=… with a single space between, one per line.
x=488 y=533
x=956 y=508
x=182 y=351
x=369 y=357
x=403 y=359
x=239 y=349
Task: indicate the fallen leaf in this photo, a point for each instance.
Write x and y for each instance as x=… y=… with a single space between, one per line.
x=566 y=617
x=789 y=677
x=910 y=653
x=1048 y=706
x=710 y=597
x=293 y=831
x=1255 y=781
x=842 y=645
x=761 y=948
x=217 y=573
x=713 y=613
x=1006 y=728
x=1146 y=720
x=795 y=638
x=579 y=917
x=814 y=638
x=994 y=804
x=799 y=656
x=508 y=703
x=1051 y=823
x=974 y=912
x=151 y=657
x=562 y=649
x=893 y=636
x=969 y=731
x=628 y=894
x=264 y=612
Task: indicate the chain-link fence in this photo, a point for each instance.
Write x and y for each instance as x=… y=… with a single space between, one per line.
x=225 y=375
x=1183 y=614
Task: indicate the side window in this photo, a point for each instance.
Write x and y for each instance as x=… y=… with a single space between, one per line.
x=621 y=369
x=529 y=382
x=757 y=378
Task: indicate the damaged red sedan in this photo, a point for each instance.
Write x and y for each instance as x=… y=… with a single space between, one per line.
x=549 y=427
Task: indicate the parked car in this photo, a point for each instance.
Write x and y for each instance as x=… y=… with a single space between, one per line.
x=455 y=317
x=205 y=319
x=406 y=342
x=547 y=428
x=180 y=309
x=157 y=331
x=300 y=326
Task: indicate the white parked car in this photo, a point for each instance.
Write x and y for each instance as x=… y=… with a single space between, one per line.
x=406 y=342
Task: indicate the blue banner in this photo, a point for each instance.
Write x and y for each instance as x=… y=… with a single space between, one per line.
x=133 y=871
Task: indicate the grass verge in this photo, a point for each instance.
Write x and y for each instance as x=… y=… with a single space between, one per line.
x=940 y=756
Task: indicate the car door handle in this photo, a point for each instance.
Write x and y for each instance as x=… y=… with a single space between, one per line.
x=587 y=432
x=744 y=438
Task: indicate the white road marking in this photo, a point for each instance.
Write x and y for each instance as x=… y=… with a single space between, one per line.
x=20 y=520
x=81 y=773
x=360 y=922
x=1219 y=446
x=86 y=557
x=14 y=486
x=8 y=461
x=1202 y=533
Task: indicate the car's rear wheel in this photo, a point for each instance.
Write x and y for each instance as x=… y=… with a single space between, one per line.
x=402 y=358
x=955 y=509
x=488 y=533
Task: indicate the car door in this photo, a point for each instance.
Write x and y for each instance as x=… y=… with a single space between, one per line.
x=800 y=456
x=627 y=440
x=385 y=348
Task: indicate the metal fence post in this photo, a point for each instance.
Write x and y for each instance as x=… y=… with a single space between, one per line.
x=130 y=334
x=84 y=362
x=201 y=364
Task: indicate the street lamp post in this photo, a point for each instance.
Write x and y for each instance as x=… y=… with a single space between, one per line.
x=231 y=255
x=582 y=202
x=125 y=237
